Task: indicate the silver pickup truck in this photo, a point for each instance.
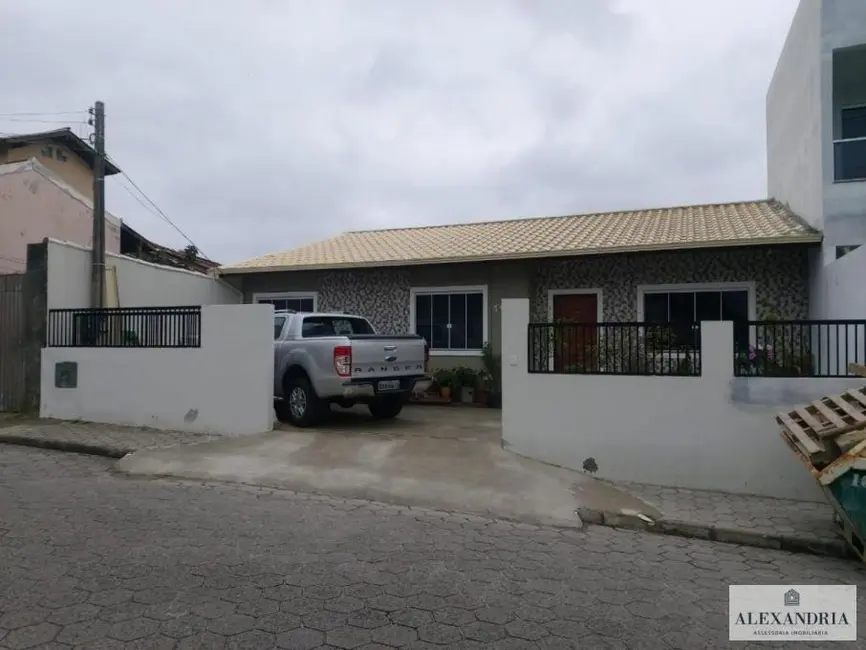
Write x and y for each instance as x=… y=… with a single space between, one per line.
x=322 y=359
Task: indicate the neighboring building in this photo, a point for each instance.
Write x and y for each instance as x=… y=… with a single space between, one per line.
x=46 y=190
x=35 y=203
x=816 y=123
x=730 y=261
x=133 y=244
x=816 y=145
x=61 y=151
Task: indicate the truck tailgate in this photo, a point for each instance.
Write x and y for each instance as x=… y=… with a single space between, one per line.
x=378 y=356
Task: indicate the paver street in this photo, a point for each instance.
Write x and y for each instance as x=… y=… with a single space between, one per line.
x=92 y=560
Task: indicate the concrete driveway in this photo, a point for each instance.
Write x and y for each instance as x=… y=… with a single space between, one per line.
x=451 y=422
x=446 y=458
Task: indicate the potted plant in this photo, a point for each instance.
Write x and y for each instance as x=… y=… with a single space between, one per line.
x=444 y=379
x=492 y=364
x=465 y=379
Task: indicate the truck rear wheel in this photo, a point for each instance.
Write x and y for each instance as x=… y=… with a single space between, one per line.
x=301 y=404
x=386 y=408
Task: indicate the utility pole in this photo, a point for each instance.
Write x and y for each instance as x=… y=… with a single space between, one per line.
x=97 y=269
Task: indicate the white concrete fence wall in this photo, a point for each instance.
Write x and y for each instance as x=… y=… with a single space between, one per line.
x=712 y=432
x=224 y=387
x=140 y=283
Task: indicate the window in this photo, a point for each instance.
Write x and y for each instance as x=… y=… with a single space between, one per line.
x=301 y=302
x=853 y=122
x=683 y=308
x=842 y=251
x=850 y=150
x=320 y=326
x=453 y=320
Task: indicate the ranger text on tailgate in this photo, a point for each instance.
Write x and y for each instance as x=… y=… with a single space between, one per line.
x=320 y=359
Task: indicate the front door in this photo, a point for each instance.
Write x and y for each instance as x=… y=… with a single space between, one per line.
x=572 y=345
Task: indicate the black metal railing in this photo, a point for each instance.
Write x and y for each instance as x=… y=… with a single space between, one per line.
x=125 y=327
x=808 y=348
x=670 y=349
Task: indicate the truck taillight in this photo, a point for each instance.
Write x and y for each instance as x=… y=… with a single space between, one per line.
x=426 y=358
x=343 y=360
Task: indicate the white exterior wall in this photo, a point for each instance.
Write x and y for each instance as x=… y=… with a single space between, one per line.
x=224 y=387
x=838 y=293
x=801 y=114
x=794 y=149
x=843 y=290
x=713 y=432
x=140 y=284
x=843 y=24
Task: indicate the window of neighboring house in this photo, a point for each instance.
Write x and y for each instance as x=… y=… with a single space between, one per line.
x=300 y=302
x=850 y=149
x=682 y=309
x=452 y=320
x=842 y=251
x=853 y=122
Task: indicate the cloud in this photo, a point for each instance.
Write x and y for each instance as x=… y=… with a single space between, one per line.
x=263 y=125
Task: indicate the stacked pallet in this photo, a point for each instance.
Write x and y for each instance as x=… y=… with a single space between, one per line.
x=829 y=436
x=829 y=427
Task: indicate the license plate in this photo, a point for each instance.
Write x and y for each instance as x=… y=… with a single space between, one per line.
x=391 y=384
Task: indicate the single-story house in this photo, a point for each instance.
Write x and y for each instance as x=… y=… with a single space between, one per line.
x=733 y=261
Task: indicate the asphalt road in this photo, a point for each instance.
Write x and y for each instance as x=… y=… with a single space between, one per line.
x=92 y=560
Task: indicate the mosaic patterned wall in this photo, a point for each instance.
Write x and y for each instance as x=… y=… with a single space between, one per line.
x=780 y=274
x=380 y=295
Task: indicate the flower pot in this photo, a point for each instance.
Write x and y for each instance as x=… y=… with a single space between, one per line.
x=467 y=394
x=445 y=392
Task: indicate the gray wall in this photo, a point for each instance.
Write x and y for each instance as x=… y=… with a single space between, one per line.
x=802 y=117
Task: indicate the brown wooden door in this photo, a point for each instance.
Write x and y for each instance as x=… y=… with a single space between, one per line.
x=572 y=345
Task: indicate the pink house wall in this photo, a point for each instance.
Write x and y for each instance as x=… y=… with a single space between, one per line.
x=33 y=206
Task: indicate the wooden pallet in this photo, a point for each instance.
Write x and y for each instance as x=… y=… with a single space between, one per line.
x=828 y=427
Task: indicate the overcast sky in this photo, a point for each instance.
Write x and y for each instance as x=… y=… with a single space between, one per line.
x=261 y=125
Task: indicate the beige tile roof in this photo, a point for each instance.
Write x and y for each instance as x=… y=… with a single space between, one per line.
x=748 y=223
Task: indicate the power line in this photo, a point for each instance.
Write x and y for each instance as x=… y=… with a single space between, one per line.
x=42 y=114
x=159 y=212
x=35 y=121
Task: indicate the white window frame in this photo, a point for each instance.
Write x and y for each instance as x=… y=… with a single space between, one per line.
x=696 y=287
x=599 y=300
x=839 y=112
x=479 y=288
x=288 y=295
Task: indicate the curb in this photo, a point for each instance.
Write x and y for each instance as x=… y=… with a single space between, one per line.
x=65 y=445
x=793 y=544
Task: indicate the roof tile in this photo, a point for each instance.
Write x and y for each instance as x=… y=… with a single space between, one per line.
x=697 y=226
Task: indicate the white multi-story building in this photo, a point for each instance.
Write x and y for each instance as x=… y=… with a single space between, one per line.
x=816 y=146
x=816 y=122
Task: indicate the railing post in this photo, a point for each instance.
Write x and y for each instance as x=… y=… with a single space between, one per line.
x=717 y=349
